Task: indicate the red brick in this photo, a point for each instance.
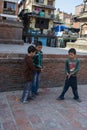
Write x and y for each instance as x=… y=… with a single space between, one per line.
x=11 y=32
x=9 y=126
x=11 y=76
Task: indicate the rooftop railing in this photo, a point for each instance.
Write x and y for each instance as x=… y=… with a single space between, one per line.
x=37 y=13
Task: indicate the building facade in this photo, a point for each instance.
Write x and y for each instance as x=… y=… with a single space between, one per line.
x=80 y=18
x=40 y=14
x=10 y=27
x=65 y=17
x=79 y=9
x=9 y=9
x=78 y=12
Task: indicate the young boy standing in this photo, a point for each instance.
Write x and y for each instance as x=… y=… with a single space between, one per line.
x=71 y=69
x=29 y=70
x=37 y=60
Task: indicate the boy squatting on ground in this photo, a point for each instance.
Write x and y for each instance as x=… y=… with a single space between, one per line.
x=71 y=69
x=37 y=60
x=29 y=70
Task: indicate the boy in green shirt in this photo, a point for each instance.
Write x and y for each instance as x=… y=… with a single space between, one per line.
x=37 y=60
x=71 y=69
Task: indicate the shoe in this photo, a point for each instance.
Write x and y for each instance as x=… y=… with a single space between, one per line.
x=60 y=98
x=24 y=102
x=77 y=99
x=33 y=95
x=36 y=93
x=31 y=98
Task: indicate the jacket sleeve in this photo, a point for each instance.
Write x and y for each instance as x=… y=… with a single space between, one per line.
x=31 y=65
x=66 y=67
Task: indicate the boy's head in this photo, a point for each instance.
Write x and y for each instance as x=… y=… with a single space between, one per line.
x=39 y=46
x=31 y=50
x=72 y=53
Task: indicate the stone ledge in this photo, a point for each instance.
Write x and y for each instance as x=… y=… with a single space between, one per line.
x=77 y=45
x=12 y=41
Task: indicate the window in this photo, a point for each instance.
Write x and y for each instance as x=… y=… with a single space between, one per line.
x=49 y=12
x=37 y=0
x=5 y=4
x=9 y=8
x=9 y=5
x=42 y=23
x=50 y=2
x=40 y=1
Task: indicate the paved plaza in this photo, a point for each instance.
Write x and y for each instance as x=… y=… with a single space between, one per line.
x=22 y=49
x=44 y=112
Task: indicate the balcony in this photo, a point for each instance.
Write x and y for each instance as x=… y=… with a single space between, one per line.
x=42 y=5
x=25 y=13
x=8 y=11
x=41 y=15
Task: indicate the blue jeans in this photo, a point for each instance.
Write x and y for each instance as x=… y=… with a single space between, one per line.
x=27 y=91
x=36 y=81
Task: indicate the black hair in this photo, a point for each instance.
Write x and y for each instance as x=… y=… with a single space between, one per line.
x=72 y=50
x=39 y=43
x=31 y=49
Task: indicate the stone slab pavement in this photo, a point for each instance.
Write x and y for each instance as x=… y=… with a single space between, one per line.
x=44 y=112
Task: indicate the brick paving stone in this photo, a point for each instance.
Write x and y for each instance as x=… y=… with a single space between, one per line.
x=34 y=119
x=45 y=112
x=25 y=127
x=9 y=126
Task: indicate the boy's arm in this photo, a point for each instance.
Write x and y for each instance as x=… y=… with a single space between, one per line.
x=32 y=67
x=66 y=67
x=35 y=59
x=38 y=60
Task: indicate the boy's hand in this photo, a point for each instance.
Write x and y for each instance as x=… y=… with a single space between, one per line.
x=42 y=69
x=67 y=74
x=70 y=75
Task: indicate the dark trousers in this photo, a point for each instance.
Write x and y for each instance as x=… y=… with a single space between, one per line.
x=71 y=82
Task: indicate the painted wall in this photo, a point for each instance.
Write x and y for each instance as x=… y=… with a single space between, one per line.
x=28 y=5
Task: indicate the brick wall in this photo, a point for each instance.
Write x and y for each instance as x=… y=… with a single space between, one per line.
x=0 y=6
x=11 y=32
x=11 y=66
